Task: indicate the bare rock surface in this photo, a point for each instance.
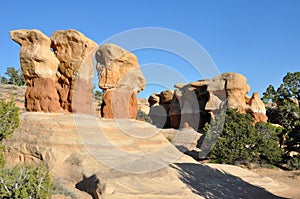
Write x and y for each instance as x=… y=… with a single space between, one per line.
x=118 y=67
x=119 y=152
x=119 y=72
x=197 y=102
x=118 y=103
x=75 y=53
x=39 y=66
x=37 y=61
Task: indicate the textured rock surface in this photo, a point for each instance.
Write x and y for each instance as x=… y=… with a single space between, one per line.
x=119 y=72
x=197 y=102
x=118 y=68
x=235 y=87
x=53 y=139
x=39 y=66
x=76 y=69
x=41 y=95
x=119 y=103
x=257 y=108
x=37 y=61
x=143 y=105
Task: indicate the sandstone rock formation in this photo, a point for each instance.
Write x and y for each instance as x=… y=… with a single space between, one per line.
x=119 y=104
x=196 y=102
x=39 y=66
x=257 y=108
x=56 y=140
x=118 y=69
x=53 y=78
x=76 y=69
x=230 y=86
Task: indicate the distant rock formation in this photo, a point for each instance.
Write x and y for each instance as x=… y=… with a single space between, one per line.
x=121 y=79
x=53 y=77
x=196 y=102
x=39 y=66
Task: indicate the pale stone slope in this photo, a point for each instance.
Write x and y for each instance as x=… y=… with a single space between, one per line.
x=130 y=158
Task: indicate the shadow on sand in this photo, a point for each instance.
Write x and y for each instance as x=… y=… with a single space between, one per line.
x=212 y=183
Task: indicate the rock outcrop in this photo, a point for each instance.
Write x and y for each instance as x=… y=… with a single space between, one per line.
x=119 y=71
x=76 y=69
x=53 y=78
x=257 y=108
x=39 y=66
x=67 y=144
x=197 y=102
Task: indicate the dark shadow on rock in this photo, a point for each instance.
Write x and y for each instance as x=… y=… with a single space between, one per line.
x=212 y=183
x=91 y=185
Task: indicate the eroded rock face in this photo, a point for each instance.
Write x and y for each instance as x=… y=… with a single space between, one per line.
x=56 y=80
x=39 y=66
x=257 y=108
x=119 y=72
x=76 y=69
x=119 y=103
x=117 y=67
x=36 y=58
x=230 y=86
x=197 y=102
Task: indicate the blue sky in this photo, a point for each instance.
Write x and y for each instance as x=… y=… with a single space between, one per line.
x=257 y=38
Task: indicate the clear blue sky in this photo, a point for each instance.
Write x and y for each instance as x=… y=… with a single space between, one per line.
x=257 y=38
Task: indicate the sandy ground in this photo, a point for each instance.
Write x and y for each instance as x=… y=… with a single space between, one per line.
x=290 y=178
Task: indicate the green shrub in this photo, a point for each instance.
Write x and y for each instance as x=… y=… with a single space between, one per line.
x=58 y=188
x=241 y=142
x=25 y=182
x=9 y=121
x=294 y=162
x=142 y=116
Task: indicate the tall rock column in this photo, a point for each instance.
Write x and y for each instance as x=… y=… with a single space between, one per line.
x=75 y=53
x=39 y=66
x=121 y=79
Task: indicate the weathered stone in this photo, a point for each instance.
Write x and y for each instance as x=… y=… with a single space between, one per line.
x=259 y=117
x=158 y=115
x=256 y=104
x=41 y=95
x=76 y=55
x=196 y=103
x=200 y=83
x=153 y=99
x=166 y=96
x=39 y=66
x=143 y=105
x=118 y=68
x=119 y=103
x=36 y=58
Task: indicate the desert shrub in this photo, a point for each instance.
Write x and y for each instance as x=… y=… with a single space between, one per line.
x=241 y=142
x=58 y=188
x=142 y=116
x=9 y=121
x=25 y=182
x=294 y=162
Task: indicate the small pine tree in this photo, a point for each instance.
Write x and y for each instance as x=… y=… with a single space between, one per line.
x=242 y=143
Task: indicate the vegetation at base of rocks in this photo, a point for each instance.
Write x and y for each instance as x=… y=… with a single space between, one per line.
x=9 y=121
x=22 y=181
x=240 y=142
x=142 y=116
x=25 y=182
x=283 y=108
x=13 y=76
x=58 y=188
